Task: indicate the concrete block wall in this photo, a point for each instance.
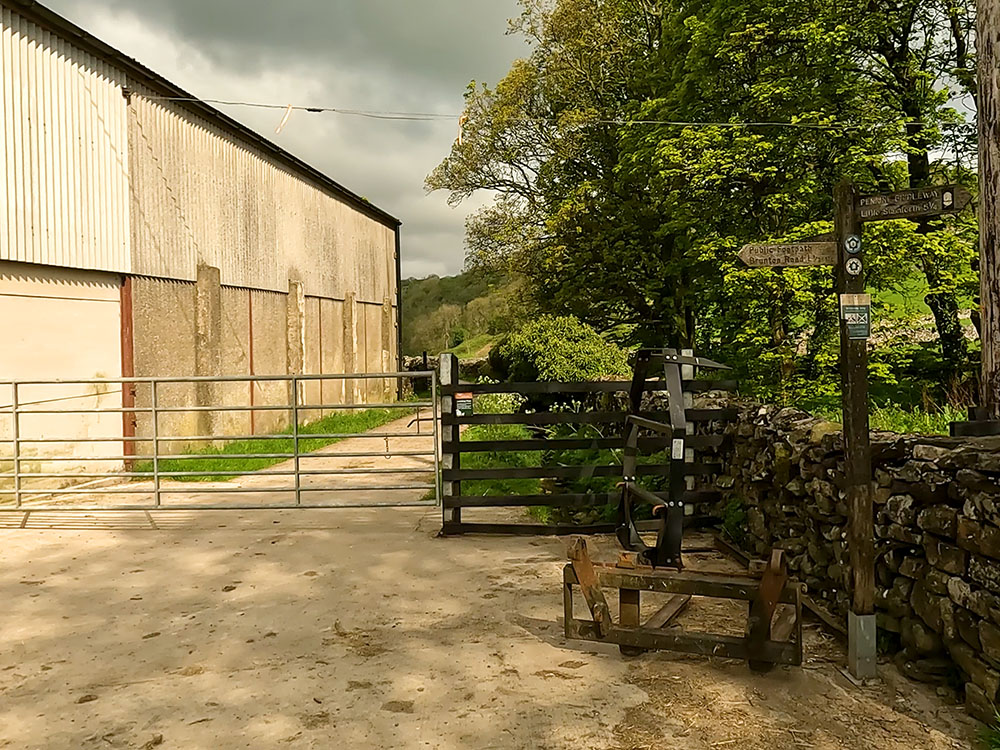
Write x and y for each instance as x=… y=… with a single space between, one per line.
x=330 y=345
x=206 y=329
x=164 y=343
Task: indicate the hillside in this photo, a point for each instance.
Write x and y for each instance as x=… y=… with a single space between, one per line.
x=463 y=313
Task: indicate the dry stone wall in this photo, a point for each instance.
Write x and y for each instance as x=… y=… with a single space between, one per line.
x=937 y=527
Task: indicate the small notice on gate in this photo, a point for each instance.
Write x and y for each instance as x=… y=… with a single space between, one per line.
x=464 y=405
x=856 y=310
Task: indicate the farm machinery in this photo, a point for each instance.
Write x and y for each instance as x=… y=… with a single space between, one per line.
x=773 y=625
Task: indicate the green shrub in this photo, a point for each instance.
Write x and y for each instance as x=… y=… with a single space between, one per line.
x=557 y=348
x=458 y=336
x=990 y=736
x=734 y=519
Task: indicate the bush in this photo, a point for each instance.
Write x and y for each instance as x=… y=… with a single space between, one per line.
x=734 y=521
x=557 y=348
x=458 y=336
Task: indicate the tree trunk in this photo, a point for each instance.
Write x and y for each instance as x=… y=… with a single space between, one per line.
x=943 y=305
x=945 y=309
x=988 y=41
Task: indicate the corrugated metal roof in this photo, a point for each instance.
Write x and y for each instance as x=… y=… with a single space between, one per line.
x=141 y=74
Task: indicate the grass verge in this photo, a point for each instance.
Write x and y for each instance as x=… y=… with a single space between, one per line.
x=499 y=460
x=989 y=737
x=892 y=418
x=474 y=347
x=223 y=458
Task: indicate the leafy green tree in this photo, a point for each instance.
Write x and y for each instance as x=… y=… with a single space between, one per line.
x=620 y=214
x=557 y=348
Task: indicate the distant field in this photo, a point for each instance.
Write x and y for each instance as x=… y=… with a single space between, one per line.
x=477 y=346
x=908 y=300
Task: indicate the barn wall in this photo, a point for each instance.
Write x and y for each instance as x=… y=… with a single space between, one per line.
x=332 y=315
x=98 y=173
x=60 y=324
x=64 y=175
x=270 y=346
x=234 y=360
x=312 y=390
x=164 y=325
x=203 y=196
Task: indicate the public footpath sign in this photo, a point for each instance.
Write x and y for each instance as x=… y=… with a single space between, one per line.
x=789 y=254
x=464 y=405
x=845 y=251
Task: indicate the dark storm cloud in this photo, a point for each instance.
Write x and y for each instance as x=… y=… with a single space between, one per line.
x=405 y=38
x=389 y=55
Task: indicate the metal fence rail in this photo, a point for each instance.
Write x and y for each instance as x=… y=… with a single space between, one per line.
x=55 y=451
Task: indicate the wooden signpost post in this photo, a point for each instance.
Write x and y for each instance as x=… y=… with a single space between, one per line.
x=845 y=251
x=861 y=641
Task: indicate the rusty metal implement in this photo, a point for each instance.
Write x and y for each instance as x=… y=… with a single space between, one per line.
x=773 y=633
x=762 y=647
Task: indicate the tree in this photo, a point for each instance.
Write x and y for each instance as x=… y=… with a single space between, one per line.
x=624 y=216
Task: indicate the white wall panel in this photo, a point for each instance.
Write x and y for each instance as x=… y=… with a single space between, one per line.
x=63 y=153
x=89 y=180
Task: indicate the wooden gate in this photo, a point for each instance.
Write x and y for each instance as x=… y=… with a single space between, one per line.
x=457 y=398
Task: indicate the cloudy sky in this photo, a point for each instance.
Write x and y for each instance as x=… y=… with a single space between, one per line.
x=385 y=55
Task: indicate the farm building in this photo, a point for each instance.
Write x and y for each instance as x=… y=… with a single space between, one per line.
x=142 y=235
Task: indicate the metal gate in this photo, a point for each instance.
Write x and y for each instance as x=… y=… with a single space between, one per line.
x=220 y=443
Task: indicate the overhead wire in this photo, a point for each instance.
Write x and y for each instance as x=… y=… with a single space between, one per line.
x=449 y=117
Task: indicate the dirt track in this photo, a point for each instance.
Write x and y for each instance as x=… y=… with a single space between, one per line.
x=359 y=628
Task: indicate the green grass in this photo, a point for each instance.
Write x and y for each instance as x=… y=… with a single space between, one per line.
x=905 y=302
x=222 y=458
x=989 y=737
x=499 y=460
x=893 y=418
x=472 y=347
x=916 y=421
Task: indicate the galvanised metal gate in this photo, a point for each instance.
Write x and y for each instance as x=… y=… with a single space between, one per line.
x=219 y=443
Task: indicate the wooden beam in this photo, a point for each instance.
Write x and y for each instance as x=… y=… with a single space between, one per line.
x=857 y=439
x=602 y=386
x=586 y=577
x=668 y=612
x=542 y=444
x=575 y=472
x=563 y=500
x=590 y=417
x=705 y=644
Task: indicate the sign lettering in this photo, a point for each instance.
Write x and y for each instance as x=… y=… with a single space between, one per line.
x=464 y=405
x=856 y=310
x=912 y=204
x=790 y=254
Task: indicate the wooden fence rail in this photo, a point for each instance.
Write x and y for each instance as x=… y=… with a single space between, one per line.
x=453 y=447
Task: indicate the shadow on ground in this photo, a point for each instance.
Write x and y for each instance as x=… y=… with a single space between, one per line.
x=360 y=628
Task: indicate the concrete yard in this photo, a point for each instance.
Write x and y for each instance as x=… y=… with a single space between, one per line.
x=359 y=628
